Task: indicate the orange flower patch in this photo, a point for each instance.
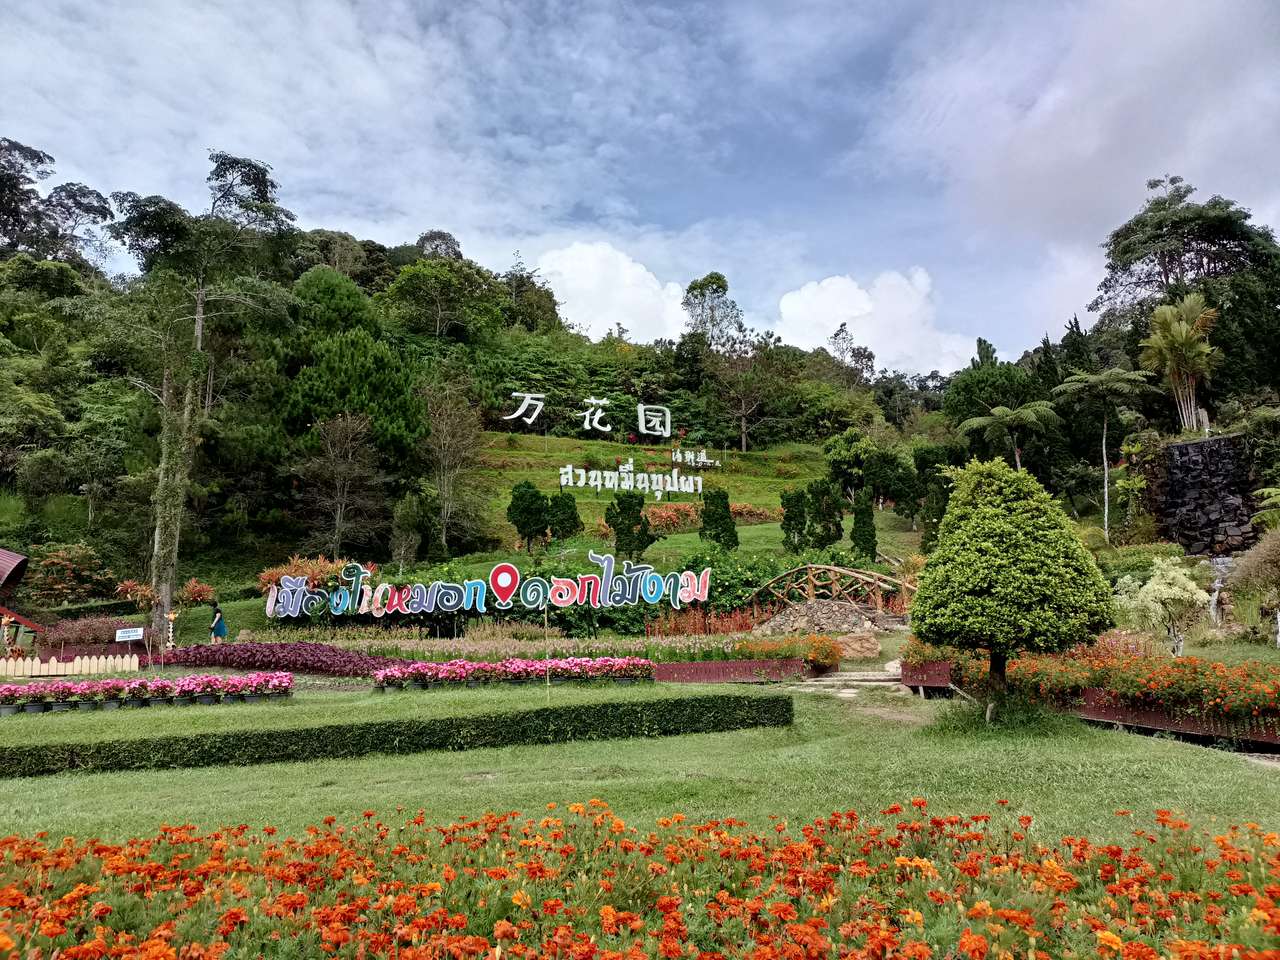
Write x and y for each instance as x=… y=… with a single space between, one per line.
x=907 y=884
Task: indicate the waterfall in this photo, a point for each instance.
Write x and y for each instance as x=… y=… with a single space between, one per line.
x=1221 y=568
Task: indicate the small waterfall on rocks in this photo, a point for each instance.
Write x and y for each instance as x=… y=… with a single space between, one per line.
x=1221 y=570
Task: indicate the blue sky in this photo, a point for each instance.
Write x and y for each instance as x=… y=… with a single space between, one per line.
x=927 y=172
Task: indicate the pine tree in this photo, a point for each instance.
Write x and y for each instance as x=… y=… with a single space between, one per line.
x=528 y=513
x=631 y=533
x=717 y=520
x=562 y=516
x=864 y=526
x=793 y=520
x=825 y=514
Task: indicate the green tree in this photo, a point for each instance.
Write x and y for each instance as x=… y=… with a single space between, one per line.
x=1109 y=389
x=825 y=510
x=863 y=533
x=717 y=520
x=527 y=512
x=1005 y=426
x=1008 y=573
x=794 y=523
x=343 y=492
x=445 y=299
x=200 y=266
x=1179 y=350
x=328 y=302
x=562 y=516
x=631 y=533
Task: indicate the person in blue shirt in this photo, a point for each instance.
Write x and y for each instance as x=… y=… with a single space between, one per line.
x=217 y=629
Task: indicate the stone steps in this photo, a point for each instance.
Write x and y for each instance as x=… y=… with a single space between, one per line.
x=845 y=684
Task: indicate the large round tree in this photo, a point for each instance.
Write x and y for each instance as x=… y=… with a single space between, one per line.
x=1008 y=572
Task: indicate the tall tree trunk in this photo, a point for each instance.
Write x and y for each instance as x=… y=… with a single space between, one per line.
x=177 y=445
x=1106 y=485
x=1017 y=456
x=998 y=675
x=742 y=433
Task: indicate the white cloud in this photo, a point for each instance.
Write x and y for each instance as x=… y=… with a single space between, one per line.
x=895 y=316
x=600 y=287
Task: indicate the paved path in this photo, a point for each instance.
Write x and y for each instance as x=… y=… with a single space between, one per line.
x=846 y=684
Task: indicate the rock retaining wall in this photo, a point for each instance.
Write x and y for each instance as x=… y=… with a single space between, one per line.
x=1198 y=492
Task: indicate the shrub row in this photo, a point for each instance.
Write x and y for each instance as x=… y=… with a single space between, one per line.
x=667 y=716
x=295 y=657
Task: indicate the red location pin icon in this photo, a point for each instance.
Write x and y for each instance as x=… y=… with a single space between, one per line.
x=503 y=581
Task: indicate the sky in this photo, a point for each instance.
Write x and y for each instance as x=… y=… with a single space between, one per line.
x=926 y=172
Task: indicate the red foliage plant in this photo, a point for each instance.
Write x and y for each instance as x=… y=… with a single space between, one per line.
x=319 y=571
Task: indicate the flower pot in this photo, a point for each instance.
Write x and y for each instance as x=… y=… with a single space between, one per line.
x=474 y=683
x=86 y=704
x=255 y=698
x=206 y=699
x=379 y=688
x=34 y=707
x=136 y=702
x=233 y=698
x=279 y=695
x=62 y=706
x=417 y=685
x=109 y=705
x=158 y=701
x=9 y=709
x=624 y=681
x=183 y=701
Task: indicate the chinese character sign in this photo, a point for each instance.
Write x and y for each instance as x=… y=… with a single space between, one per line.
x=634 y=583
x=651 y=420
x=693 y=458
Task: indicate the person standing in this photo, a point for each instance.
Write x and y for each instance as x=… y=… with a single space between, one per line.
x=217 y=629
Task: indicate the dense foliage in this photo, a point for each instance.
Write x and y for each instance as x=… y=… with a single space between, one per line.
x=1008 y=573
x=649 y=717
x=717 y=521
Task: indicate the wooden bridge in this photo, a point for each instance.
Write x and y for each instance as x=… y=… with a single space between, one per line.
x=821 y=582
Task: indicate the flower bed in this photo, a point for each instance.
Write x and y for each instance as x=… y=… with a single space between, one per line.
x=458 y=672
x=107 y=694
x=1103 y=705
x=296 y=657
x=408 y=644
x=908 y=884
x=1214 y=695
x=732 y=671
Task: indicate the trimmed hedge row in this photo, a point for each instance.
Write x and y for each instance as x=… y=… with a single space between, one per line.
x=668 y=716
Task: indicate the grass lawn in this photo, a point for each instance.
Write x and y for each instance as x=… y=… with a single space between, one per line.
x=861 y=755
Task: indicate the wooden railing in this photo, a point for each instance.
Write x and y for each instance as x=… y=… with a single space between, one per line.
x=80 y=666
x=822 y=582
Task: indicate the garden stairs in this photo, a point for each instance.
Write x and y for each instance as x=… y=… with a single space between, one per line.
x=846 y=684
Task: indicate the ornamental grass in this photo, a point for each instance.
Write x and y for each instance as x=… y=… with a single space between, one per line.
x=583 y=884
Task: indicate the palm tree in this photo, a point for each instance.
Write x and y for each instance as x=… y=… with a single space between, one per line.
x=1268 y=514
x=1178 y=348
x=1004 y=424
x=1110 y=388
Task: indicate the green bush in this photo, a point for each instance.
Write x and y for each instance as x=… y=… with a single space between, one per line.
x=631 y=533
x=863 y=533
x=826 y=514
x=528 y=513
x=717 y=521
x=1008 y=573
x=793 y=520
x=1134 y=561
x=666 y=716
x=562 y=516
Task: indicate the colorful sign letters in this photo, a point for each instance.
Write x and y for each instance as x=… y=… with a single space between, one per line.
x=634 y=583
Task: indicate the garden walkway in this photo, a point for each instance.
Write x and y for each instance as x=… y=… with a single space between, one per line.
x=846 y=684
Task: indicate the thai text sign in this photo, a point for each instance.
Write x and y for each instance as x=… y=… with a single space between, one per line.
x=611 y=587
x=626 y=478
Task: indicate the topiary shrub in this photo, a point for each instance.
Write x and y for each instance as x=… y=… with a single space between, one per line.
x=562 y=516
x=863 y=533
x=1008 y=572
x=717 y=521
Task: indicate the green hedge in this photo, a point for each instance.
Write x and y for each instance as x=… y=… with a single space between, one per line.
x=76 y=611
x=668 y=716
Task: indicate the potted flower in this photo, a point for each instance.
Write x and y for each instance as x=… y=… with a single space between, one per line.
x=208 y=690
x=279 y=686
x=85 y=695
x=924 y=665
x=59 y=694
x=254 y=689
x=160 y=691
x=233 y=689
x=110 y=693
x=33 y=699
x=10 y=699
x=136 y=694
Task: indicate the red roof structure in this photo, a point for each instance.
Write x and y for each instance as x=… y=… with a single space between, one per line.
x=12 y=567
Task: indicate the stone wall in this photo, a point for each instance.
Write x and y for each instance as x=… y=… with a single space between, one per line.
x=830 y=617
x=1199 y=493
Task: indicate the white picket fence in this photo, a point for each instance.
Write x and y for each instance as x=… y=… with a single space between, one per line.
x=80 y=666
